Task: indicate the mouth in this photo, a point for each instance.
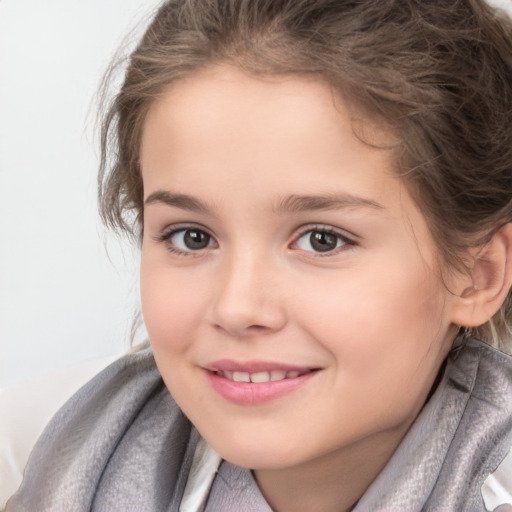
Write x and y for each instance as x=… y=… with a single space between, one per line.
x=262 y=376
x=256 y=382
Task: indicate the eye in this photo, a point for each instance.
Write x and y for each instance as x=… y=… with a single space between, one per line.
x=186 y=240
x=321 y=241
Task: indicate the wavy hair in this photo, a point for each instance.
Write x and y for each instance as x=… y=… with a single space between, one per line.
x=437 y=73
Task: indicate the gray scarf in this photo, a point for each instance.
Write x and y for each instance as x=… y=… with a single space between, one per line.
x=122 y=444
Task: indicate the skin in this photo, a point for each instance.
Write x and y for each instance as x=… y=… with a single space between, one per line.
x=372 y=315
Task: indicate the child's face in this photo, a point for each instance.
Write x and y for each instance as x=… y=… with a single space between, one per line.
x=277 y=242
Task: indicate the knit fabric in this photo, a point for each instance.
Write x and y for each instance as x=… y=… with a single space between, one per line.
x=122 y=444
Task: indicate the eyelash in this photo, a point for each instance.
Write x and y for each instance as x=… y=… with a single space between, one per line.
x=168 y=233
x=346 y=242
x=171 y=231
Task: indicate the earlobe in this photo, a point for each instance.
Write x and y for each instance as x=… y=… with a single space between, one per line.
x=490 y=281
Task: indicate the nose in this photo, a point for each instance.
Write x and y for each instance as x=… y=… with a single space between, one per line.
x=249 y=300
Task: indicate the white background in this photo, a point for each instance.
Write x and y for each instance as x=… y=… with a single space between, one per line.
x=61 y=299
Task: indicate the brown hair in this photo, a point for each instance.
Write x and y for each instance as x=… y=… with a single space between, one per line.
x=438 y=73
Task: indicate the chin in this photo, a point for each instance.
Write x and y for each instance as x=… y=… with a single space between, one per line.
x=258 y=453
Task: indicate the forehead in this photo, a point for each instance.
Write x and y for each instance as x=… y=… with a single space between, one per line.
x=227 y=120
x=242 y=146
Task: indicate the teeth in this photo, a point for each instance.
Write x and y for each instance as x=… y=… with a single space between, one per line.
x=260 y=377
x=273 y=376
x=241 y=377
x=277 y=375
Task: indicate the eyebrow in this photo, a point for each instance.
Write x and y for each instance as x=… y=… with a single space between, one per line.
x=290 y=204
x=296 y=203
x=182 y=201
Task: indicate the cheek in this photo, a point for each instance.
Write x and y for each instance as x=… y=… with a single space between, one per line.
x=170 y=308
x=384 y=346
x=372 y=318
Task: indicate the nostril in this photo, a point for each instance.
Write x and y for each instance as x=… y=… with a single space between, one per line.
x=249 y=328
x=253 y=329
x=257 y=327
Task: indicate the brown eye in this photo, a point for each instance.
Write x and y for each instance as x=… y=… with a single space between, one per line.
x=194 y=239
x=186 y=240
x=321 y=241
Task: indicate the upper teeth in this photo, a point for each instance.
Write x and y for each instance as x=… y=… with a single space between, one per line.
x=260 y=376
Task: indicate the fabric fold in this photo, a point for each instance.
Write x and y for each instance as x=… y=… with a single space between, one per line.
x=122 y=444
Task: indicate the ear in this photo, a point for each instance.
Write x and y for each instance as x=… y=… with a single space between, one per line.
x=483 y=292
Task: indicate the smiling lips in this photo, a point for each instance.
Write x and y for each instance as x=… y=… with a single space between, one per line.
x=255 y=383
x=264 y=376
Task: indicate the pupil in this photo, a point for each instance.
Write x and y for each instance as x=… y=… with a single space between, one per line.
x=196 y=239
x=322 y=241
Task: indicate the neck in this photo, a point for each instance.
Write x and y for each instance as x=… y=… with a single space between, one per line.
x=332 y=483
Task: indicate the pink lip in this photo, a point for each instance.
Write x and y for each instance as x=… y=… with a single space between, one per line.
x=254 y=393
x=229 y=365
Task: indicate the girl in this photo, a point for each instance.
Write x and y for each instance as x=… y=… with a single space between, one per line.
x=322 y=192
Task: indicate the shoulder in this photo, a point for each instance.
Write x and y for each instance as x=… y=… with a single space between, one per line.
x=121 y=419
x=493 y=387
x=121 y=387
x=481 y=377
x=27 y=407
x=486 y=425
x=111 y=400
x=493 y=379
